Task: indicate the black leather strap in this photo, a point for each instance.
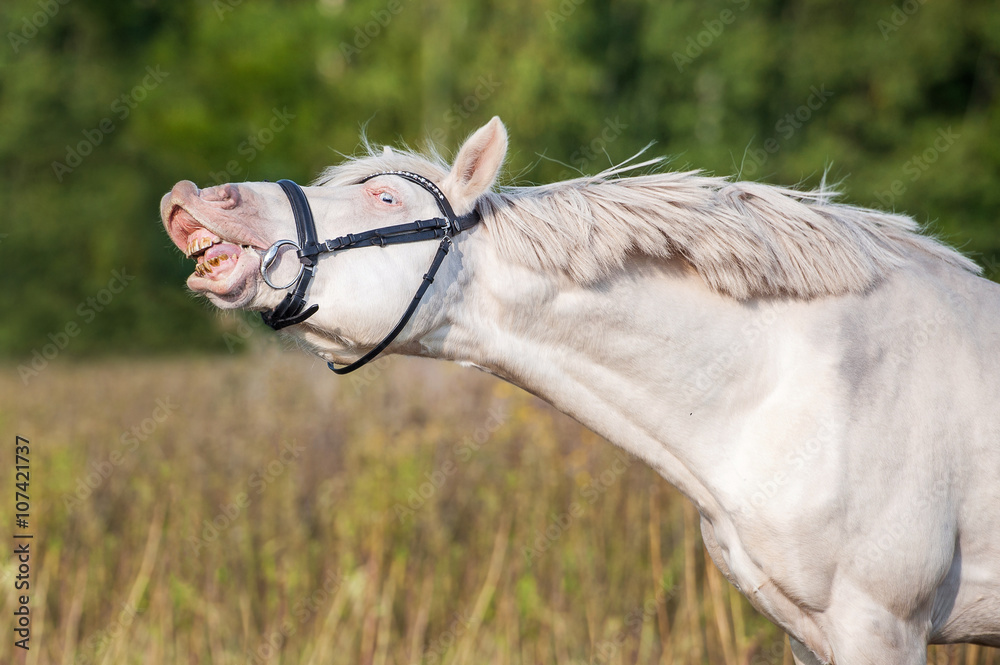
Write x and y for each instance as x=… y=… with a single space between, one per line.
x=443 y=204
x=425 y=229
x=292 y=309
x=305 y=225
x=427 y=281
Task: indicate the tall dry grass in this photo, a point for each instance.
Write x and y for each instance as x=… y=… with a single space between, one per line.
x=262 y=510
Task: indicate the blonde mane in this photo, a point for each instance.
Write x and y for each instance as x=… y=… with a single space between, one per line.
x=745 y=239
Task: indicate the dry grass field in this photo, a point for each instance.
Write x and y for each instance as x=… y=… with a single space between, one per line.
x=258 y=509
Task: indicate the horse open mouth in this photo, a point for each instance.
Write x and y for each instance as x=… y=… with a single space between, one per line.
x=214 y=258
x=224 y=267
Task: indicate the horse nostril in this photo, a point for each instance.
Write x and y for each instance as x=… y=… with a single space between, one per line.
x=225 y=196
x=232 y=195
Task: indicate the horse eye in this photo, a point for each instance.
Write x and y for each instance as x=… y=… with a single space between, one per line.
x=386 y=197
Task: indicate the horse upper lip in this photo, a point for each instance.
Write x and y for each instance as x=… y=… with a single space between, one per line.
x=182 y=223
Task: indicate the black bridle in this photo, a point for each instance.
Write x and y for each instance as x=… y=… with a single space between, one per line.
x=293 y=308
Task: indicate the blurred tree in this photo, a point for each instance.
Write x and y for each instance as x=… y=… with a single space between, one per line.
x=104 y=105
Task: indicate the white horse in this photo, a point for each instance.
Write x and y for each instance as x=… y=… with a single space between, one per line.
x=821 y=380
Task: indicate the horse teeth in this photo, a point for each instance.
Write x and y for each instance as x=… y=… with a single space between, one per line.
x=196 y=246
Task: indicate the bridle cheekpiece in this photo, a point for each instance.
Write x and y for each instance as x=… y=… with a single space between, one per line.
x=292 y=309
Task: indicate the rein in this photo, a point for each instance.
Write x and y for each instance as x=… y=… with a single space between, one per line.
x=293 y=310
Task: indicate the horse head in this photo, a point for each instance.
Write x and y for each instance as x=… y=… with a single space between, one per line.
x=228 y=229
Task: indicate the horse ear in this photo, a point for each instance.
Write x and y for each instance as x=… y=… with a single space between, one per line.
x=477 y=165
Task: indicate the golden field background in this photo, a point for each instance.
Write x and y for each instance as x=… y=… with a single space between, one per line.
x=259 y=509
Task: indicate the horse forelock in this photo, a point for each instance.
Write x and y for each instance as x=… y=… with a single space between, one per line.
x=375 y=159
x=745 y=239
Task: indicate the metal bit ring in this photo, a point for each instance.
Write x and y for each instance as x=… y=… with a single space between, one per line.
x=268 y=259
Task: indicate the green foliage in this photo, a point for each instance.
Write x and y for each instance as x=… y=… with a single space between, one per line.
x=156 y=91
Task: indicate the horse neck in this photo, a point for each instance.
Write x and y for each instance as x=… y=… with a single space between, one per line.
x=650 y=358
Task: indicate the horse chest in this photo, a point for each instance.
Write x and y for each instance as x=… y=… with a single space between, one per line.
x=787 y=584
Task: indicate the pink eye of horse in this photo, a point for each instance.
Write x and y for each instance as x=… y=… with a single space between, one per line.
x=386 y=197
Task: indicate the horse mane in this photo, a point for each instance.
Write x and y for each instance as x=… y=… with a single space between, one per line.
x=745 y=239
